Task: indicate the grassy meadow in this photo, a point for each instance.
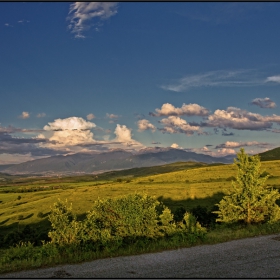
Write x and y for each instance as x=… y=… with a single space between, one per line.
x=27 y=200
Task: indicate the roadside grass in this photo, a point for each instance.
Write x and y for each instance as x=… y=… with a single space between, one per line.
x=26 y=256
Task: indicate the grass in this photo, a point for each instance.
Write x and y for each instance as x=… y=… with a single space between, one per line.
x=179 y=184
x=195 y=185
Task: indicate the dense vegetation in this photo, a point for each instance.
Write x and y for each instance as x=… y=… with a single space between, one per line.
x=119 y=213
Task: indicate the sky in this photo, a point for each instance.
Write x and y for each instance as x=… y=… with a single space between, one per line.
x=96 y=76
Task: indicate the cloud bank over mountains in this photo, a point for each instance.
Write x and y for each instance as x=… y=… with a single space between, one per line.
x=75 y=134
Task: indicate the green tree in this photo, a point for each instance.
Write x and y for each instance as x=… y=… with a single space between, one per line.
x=251 y=201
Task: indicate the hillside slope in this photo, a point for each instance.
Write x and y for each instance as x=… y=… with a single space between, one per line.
x=273 y=154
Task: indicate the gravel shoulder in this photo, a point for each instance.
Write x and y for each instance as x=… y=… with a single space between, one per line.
x=257 y=257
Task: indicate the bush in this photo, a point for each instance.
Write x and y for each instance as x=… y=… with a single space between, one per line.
x=130 y=216
x=66 y=229
x=40 y=215
x=112 y=223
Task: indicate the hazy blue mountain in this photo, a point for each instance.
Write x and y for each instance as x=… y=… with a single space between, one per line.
x=112 y=160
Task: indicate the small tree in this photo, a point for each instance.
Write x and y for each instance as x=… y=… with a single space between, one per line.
x=251 y=201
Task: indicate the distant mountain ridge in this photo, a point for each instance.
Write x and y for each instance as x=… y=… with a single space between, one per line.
x=81 y=163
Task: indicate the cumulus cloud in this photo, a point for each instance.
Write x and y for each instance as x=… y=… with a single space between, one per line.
x=145 y=125
x=218 y=78
x=70 y=132
x=72 y=123
x=233 y=144
x=240 y=119
x=174 y=124
x=168 y=109
x=24 y=115
x=82 y=15
x=225 y=151
x=175 y=146
x=263 y=102
x=41 y=115
x=124 y=136
x=275 y=79
x=90 y=116
x=21 y=145
x=111 y=116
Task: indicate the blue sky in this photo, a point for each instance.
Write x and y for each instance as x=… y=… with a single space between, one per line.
x=95 y=76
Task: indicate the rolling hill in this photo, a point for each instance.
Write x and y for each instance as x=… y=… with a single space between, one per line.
x=273 y=154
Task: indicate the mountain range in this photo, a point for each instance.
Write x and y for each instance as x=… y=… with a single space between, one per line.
x=82 y=163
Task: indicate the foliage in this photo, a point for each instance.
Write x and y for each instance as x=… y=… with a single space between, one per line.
x=205 y=217
x=127 y=217
x=112 y=223
x=179 y=213
x=251 y=201
x=66 y=228
x=27 y=234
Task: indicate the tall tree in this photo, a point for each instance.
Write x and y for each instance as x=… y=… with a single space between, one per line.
x=251 y=201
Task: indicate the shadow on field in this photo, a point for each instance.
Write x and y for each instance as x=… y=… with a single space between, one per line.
x=189 y=203
x=16 y=232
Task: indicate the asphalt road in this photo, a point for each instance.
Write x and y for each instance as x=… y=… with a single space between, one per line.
x=257 y=257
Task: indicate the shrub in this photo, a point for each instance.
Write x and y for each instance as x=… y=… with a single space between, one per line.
x=130 y=216
x=112 y=223
x=66 y=229
x=19 y=197
x=40 y=215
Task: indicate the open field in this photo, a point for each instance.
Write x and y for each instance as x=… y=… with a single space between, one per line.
x=192 y=185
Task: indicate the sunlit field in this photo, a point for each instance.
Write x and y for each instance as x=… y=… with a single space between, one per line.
x=190 y=187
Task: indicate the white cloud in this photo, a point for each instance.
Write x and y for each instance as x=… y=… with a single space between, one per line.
x=275 y=79
x=24 y=115
x=263 y=102
x=168 y=109
x=216 y=79
x=123 y=135
x=82 y=14
x=233 y=144
x=69 y=132
x=175 y=146
x=174 y=124
x=225 y=151
x=241 y=119
x=90 y=117
x=111 y=116
x=145 y=125
x=41 y=115
x=72 y=123
x=6 y=158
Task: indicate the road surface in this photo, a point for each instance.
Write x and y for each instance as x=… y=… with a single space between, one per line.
x=257 y=257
